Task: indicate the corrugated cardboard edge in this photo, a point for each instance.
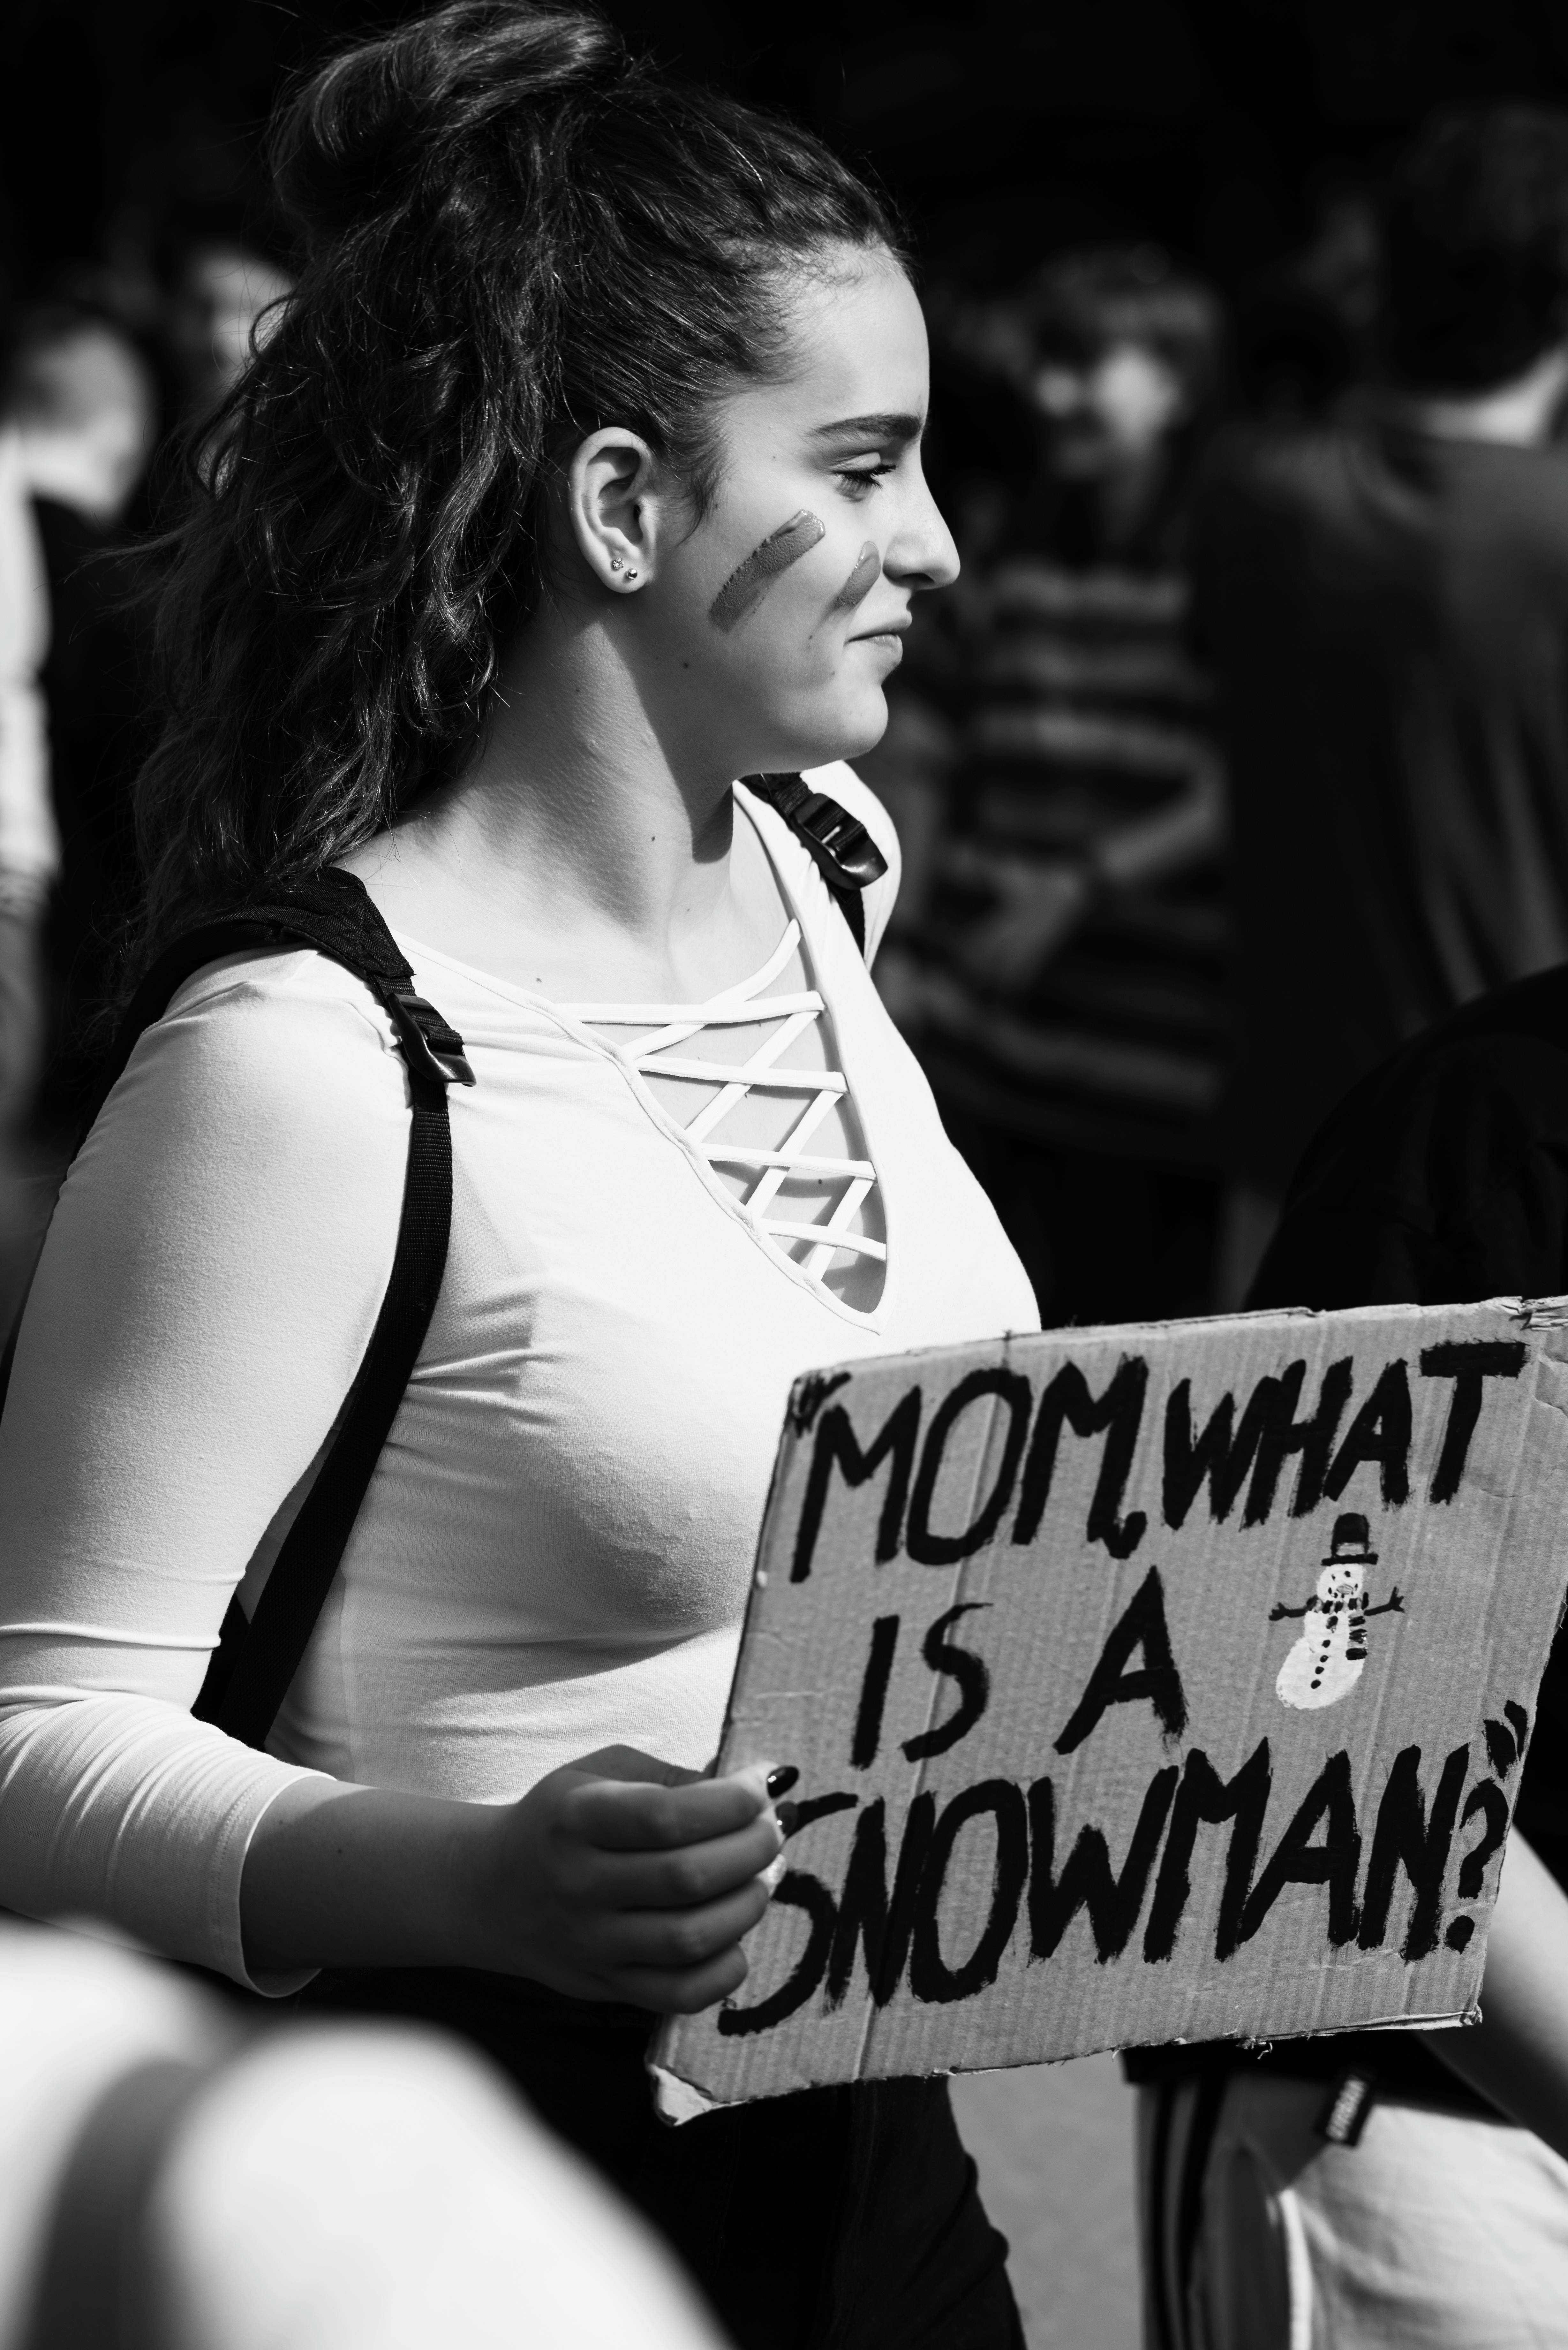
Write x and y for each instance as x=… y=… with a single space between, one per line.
x=677 y=2100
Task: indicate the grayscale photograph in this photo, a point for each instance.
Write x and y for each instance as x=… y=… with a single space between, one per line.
x=784 y=1239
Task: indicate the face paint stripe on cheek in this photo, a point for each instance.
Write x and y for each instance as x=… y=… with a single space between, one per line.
x=861 y=581
x=750 y=581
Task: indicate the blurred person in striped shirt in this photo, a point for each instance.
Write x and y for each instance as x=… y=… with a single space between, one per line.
x=1060 y=968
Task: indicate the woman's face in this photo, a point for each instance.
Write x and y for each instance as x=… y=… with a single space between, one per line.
x=765 y=634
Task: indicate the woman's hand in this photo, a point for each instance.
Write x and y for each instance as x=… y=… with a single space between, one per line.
x=616 y=1878
x=623 y=1878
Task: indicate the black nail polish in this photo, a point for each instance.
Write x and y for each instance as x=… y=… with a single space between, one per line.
x=780 y=1781
x=786 y=1815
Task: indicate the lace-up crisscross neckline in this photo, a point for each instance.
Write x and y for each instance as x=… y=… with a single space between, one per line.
x=772 y=1090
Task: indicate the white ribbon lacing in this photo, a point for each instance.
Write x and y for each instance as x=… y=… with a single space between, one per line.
x=657 y=1053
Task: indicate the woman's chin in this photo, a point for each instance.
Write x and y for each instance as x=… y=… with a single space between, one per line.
x=870 y=731
x=842 y=725
x=862 y=727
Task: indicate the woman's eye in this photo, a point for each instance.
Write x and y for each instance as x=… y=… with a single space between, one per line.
x=860 y=480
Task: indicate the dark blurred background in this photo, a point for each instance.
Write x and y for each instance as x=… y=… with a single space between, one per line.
x=1225 y=128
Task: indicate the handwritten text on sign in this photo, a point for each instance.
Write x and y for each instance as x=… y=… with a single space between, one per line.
x=1143 y=1684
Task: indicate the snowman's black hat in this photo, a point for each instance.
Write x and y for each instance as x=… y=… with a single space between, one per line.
x=1351 y=1543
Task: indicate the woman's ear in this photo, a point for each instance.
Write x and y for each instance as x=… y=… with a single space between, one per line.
x=614 y=508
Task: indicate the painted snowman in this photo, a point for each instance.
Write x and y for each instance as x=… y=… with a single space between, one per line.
x=1326 y=1662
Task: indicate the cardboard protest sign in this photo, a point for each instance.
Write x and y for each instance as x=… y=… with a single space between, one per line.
x=1144 y=1684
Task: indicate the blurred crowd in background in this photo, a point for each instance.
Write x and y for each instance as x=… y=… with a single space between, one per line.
x=1191 y=843
x=104 y=370
x=100 y=373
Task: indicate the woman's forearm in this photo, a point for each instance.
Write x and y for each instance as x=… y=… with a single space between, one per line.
x=353 y=1877
x=617 y=1876
x=1518 y=2054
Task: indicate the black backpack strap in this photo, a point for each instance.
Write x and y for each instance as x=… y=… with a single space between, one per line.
x=257 y=1659
x=843 y=850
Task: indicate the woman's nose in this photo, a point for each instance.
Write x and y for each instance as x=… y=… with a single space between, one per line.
x=923 y=553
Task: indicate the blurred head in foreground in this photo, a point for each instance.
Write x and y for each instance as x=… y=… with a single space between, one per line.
x=168 y=2179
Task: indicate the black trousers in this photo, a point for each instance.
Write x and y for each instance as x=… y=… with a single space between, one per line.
x=842 y=2219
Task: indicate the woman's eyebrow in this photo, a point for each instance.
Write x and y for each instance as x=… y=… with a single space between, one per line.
x=893 y=428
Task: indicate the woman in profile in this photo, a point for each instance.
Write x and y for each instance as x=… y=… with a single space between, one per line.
x=580 y=477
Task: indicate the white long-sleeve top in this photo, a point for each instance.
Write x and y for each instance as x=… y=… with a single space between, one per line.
x=557 y=1544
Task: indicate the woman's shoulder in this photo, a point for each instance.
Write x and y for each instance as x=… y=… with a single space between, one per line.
x=284 y=1014
x=262 y=1062
x=271 y=987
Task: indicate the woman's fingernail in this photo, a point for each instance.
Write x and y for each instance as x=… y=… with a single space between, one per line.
x=780 y=1781
x=773 y=1871
x=786 y=1815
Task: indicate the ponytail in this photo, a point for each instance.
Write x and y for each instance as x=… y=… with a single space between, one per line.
x=512 y=231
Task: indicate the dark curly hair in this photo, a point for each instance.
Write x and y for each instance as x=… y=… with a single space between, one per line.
x=512 y=231
x=1475 y=223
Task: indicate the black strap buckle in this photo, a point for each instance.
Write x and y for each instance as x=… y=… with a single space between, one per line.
x=839 y=841
x=432 y=1047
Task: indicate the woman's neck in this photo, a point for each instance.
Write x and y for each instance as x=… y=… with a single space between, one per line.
x=580 y=853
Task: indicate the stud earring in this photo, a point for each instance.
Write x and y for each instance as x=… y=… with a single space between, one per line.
x=616 y=563
x=629 y=578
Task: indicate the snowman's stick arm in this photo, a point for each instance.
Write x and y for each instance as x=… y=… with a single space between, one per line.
x=1392 y=1605
x=1279 y=1609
